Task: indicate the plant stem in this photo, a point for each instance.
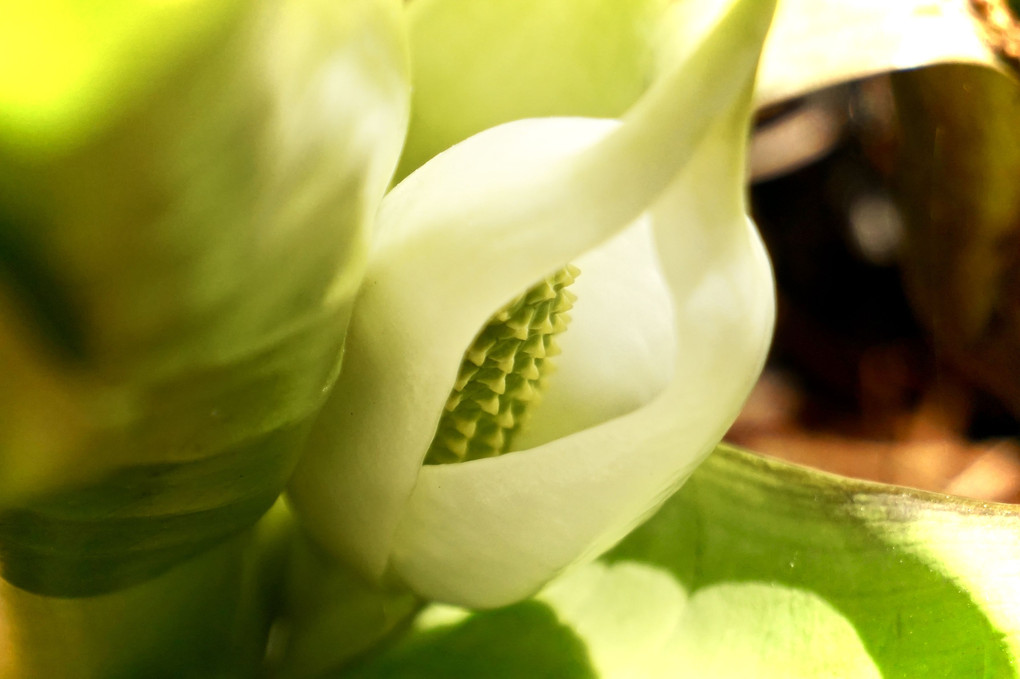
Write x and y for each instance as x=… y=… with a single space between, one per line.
x=331 y=615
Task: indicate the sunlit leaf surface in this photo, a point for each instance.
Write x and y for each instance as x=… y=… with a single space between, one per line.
x=761 y=568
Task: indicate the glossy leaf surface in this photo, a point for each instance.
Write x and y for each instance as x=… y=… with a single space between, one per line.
x=760 y=568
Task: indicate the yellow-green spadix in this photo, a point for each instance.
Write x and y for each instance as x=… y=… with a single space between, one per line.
x=672 y=321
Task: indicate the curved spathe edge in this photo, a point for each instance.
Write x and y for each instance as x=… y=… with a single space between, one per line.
x=489 y=532
x=466 y=233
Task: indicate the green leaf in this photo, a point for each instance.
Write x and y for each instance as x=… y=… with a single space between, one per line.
x=928 y=581
x=639 y=621
x=448 y=644
x=203 y=618
x=759 y=568
x=180 y=284
x=476 y=65
x=71 y=68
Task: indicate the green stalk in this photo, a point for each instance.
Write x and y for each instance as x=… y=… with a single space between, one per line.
x=331 y=615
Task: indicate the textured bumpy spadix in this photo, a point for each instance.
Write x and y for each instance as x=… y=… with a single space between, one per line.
x=479 y=224
x=503 y=374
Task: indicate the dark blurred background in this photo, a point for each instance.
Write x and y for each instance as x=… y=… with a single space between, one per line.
x=891 y=209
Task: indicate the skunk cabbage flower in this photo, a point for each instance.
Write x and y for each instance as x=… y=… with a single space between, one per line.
x=185 y=208
x=672 y=320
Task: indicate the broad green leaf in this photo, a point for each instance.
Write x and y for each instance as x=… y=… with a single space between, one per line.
x=475 y=227
x=928 y=581
x=42 y=412
x=476 y=65
x=758 y=568
x=69 y=68
x=638 y=622
x=525 y=640
x=201 y=619
x=180 y=283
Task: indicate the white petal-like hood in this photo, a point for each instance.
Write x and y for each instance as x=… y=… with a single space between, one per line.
x=472 y=229
x=487 y=532
x=618 y=352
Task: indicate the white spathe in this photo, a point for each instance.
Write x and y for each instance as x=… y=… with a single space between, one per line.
x=473 y=228
x=618 y=352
